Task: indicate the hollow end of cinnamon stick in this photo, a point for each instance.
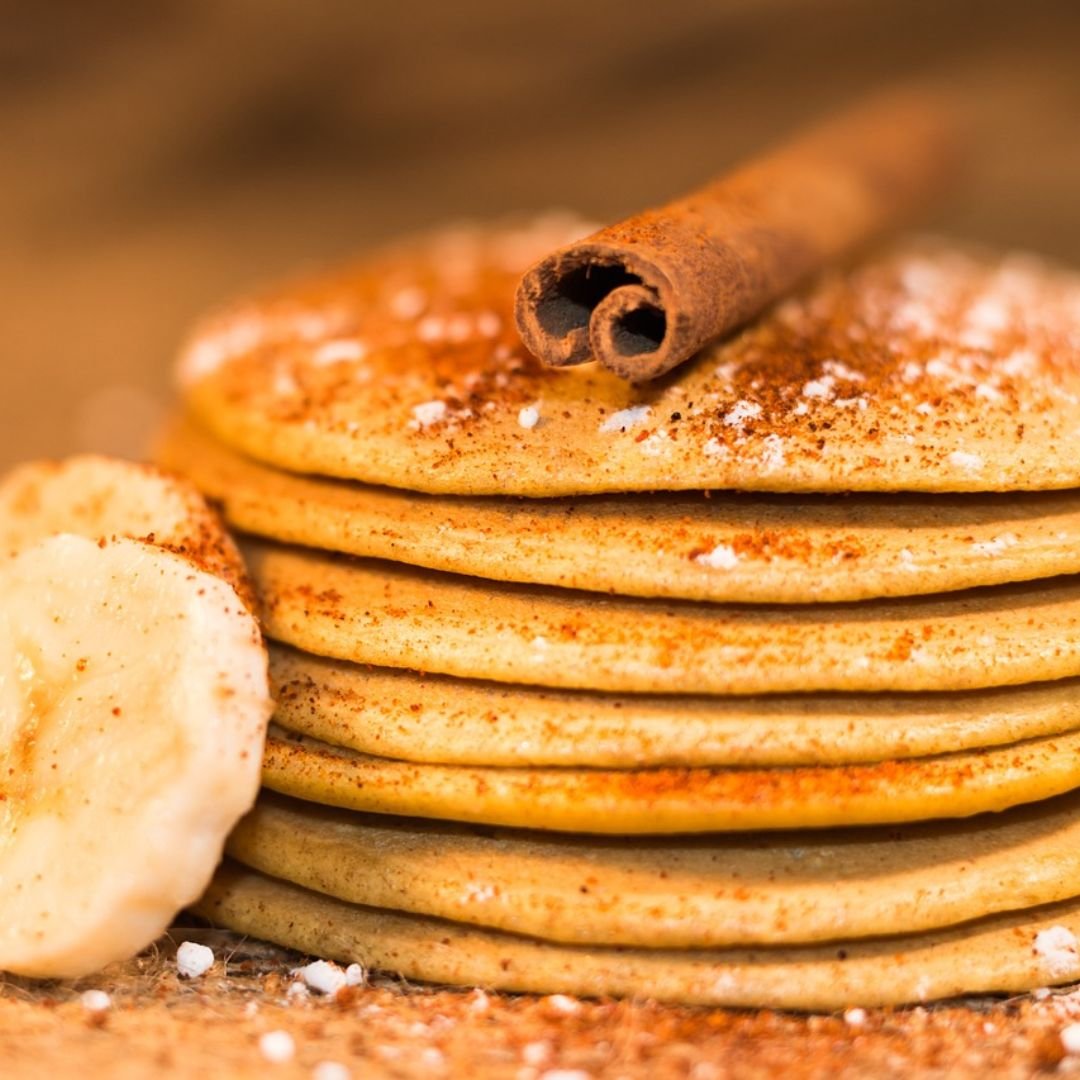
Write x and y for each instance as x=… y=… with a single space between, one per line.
x=591 y=302
x=646 y=294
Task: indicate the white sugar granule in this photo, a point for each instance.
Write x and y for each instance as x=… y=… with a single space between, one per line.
x=431 y=328
x=838 y=369
x=722 y=557
x=741 y=412
x=855 y=1017
x=330 y=1070
x=536 y=1053
x=940 y=367
x=1057 y=948
x=529 y=417
x=355 y=975
x=963 y=460
x=488 y=324
x=1070 y=1038
x=95 y=1000
x=277 y=1047
x=206 y=354
x=1020 y=362
x=408 y=303
x=626 y=418
x=820 y=388
x=193 y=959
x=561 y=1003
x=988 y=313
x=428 y=413
x=336 y=352
x=283 y=384
x=995 y=546
x=323 y=977
x=432 y=1057
x=772 y=453
x=911 y=371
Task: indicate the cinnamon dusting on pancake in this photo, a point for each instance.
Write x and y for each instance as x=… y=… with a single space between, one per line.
x=926 y=368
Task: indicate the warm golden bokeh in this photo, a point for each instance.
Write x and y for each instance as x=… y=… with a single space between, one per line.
x=160 y=157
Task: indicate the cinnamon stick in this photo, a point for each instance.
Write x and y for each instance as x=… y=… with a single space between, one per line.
x=644 y=295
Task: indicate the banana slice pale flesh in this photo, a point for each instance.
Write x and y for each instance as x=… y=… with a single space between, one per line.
x=133 y=707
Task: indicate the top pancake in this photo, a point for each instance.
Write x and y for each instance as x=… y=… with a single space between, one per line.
x=725 y=547
x=926 y=368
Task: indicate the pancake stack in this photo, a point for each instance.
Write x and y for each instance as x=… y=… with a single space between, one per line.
x=756 y=686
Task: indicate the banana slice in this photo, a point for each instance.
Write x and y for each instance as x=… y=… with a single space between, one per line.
x=133 y=707
x=100 y=497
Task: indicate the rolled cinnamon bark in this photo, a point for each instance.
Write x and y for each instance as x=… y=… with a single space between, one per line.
x=646 y=294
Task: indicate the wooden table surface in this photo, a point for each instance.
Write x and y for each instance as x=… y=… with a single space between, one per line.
x=159 y=1024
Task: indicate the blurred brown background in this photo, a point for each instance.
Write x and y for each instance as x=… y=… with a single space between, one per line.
x=155 y=157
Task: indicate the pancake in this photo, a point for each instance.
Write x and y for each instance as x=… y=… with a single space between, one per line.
x=675 y=893
x=725 y=547
x=925 y=368
x=396 y=616
x=440 y=719
x=1001 y=954
x=658 y=801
